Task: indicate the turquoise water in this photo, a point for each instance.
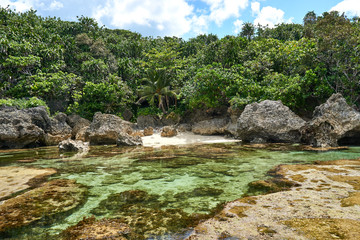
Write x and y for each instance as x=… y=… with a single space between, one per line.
x=191 y=179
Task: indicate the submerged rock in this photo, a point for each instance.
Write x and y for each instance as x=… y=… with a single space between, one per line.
x=73 y=146
x=109 y=129
x=333 y=122
x=216 y=126
x=90 y=228
x=16 y=179
x=269 y=121
x=49 y=199
x=168 y=131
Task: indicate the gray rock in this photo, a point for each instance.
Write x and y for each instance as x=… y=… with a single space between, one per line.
x=128 y=140
x=333 y=122
x=148 y=121
x=59 y=130
x=77 y=123
x=214 y=126
x=18 y=128
x=269 y=121
x=107 y=129
x=170 y=119
x=40 y=117
x=73 y=146
x=184 y=127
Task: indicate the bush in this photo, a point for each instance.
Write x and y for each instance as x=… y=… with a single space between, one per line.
x=23 y=103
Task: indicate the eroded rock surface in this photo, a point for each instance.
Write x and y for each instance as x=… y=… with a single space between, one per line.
x=51 y=198
x=108 y=129
x=214 y=126
x=16 y=179
x=73 y=146
x=77 y=124
x=168 y=131
x=333 y=121
x=269 y=121
x=322 y=204
x=59 y=130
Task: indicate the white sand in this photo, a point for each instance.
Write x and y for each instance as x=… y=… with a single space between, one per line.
x=185 y=138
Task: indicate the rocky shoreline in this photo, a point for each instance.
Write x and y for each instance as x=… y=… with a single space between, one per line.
x=333 y=123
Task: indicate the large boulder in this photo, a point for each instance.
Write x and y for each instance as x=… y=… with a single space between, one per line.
x=59 y=130
x=107 y=129
x=168 y=131
x=214 y=126
x=269 y=121
x=21 y=128
x=39 y=116
x=333 y=122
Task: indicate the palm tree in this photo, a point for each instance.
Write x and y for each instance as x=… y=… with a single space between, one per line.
x=248 y=30
x=157 y=89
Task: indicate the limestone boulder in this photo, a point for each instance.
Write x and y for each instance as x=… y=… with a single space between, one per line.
x=149 y=131
x=216 y=126
x=129 y=140
x=107 y=129
x=77 y=124
x=168 y=131
x=59 y=130
x=269 y=121
x=333 y=123
x=70 y=145
x=145 y=121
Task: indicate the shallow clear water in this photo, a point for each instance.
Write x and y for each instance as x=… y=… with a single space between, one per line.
x=194 y=179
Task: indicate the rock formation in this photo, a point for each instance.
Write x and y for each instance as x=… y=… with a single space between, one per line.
x=168 y=131
x=269 y=121
x=333 y=122
x=73 y=146
x=214 y=126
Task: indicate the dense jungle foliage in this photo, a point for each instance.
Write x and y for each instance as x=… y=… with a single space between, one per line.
x=83 y=68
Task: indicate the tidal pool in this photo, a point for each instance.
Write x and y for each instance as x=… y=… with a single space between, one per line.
x=131 y=183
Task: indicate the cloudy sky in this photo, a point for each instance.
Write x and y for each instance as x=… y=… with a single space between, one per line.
x=184 y=18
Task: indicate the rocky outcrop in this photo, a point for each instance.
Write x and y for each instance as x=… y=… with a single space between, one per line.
x=333 y=122
x=170 y=119
x=148 y=121
x=59 y=130
x=168 y=131
x=269 y=121
x=216 y=126
x=73 y=146
x=78 y=125
x=108 y=129
x=22 y=128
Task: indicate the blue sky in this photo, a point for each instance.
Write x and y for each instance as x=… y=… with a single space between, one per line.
x=184 y=18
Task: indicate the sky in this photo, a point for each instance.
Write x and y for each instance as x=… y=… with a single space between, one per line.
x=184 y=18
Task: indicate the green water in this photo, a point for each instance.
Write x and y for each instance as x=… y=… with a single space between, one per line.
x=194 y=179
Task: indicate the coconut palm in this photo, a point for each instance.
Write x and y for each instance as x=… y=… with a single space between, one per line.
x=156 y=89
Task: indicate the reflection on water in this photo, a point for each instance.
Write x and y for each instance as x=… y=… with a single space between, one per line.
x=154 y=182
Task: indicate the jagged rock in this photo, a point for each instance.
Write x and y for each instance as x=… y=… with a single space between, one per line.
x=168 y=131
x=333 y=122
x=269 y=121
x=80 y=135
x=59 y=130
x=108 y=129
x=128 y=140
x=148 y=121
x=127 y=115
x=77 y=124
x=214 y=126
x=39 y=116
x=149 y=131
x=73 y=146
x=19 y=129
x=51 y=198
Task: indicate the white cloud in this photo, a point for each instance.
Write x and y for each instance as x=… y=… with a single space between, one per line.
x=20 y=6
x=24 y=5
x=200 y=24
x=255 y=8
x=163 y=17
x=238 y=26
x=349 y=7
x=221 y=10
x=269 y=16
